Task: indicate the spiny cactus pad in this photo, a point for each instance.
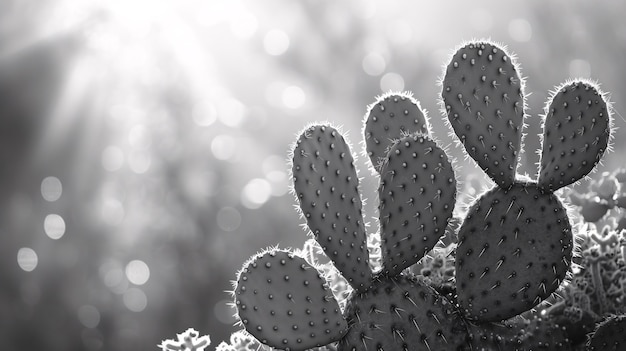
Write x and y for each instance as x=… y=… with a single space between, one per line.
x=283 y=302
x=417 y=194
x=391 y=117
x=576 y=134
x=515 y=247
x=403 y=313
x=483 y=97
x=610 y=335
x=327 y=187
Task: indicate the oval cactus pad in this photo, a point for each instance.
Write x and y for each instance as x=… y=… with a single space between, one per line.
x=417 y=194
x=483 y=97
x=285 y=303
x=327 y=187
x=391 y=117
x=515 y=248
x=576 y=133
x=403 y=313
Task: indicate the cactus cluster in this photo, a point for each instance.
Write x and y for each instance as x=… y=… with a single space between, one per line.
x=443 y=283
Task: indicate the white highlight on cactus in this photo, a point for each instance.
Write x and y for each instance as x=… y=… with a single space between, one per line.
x=137 y=272
x=228 y=219
x=204 y=113
x=54 y=226
x=27 y=259
x=374 y=64
x=51 y=189
x=520 y=30
x=135 y=300
x=112 y=158
x=293 y=97
x=256 y=193
x=579 y=68
x=392 y=82
x=89 y=316
x=276 y=42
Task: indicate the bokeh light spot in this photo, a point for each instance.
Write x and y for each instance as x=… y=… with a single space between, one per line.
x=27 y=259
x=223 y=147
x=520 y=30
x=256 y=193
x=137 y=272
x=112 y=212
x=276 y=42
x=139 y=161
x=228 y=219
x=51 y=189
x=579 y=68
x=231 y=112
x=224 y=312
x=293 y=97
x=112 y=158
x=391 y=82
x=374 y=64
x=89 y=316
x=204 y=113
x=135 y=300
x=54 y=226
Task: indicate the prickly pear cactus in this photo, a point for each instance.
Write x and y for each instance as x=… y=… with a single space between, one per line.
x=609 y=335
x=284 y=301
x=515 y=245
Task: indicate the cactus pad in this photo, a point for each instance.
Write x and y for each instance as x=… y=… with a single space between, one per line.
x=284 y=303
x=576 y=134
x=515 y=247
x=417 y=194
x=391 y=117
x=327 y=187
x=403 y=313
x=610 y=335
x=483 y=97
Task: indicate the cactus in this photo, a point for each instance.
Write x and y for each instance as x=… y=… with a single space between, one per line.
x=609 y=335
x=417 y=194
x=282 y=299
x=512 y=250
x=515 y=245
x=392 y=115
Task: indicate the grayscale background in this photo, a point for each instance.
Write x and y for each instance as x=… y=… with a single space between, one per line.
x=143 y=143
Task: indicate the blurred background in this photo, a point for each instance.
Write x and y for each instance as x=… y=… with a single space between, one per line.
x=143 y=143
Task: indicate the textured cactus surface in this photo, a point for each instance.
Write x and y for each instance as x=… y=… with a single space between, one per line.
x=403 y=314
x=610 y=335
x=327 y=187
x=483 y=97
x=417 y=193
x=515 y=248
x=392 y=116
x=576 y=134
x=284 y=302
x=485 y=281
